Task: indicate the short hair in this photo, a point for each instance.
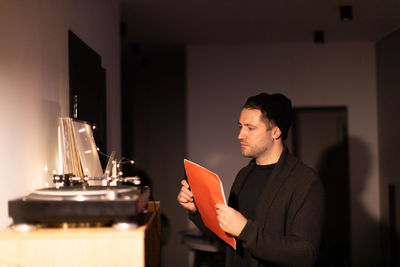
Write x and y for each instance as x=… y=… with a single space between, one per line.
x=275 y=107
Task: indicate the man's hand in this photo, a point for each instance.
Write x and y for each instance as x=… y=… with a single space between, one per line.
x=230 y=220
x=185 y=197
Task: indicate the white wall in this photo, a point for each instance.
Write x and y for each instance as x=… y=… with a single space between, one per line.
x=220 y=78
x=34 y=87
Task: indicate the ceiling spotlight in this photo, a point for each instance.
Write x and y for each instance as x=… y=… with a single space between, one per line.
x=319 y=37
x=346 y=13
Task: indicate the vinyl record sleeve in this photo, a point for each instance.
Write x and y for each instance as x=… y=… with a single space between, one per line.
x=207 y=191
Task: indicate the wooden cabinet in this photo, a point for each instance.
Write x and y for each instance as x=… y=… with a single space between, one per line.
x=99 y=246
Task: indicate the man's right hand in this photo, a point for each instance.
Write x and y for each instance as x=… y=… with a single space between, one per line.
x=185 y=197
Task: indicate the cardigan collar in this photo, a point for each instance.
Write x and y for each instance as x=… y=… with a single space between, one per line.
x=246 y=170
x=278 y=176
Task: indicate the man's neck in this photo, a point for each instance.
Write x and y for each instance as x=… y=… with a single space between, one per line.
x=271 y=156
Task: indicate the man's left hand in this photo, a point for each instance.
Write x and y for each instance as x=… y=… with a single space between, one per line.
x=230 y=220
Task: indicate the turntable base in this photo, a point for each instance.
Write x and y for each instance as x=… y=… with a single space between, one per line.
x=90 y=206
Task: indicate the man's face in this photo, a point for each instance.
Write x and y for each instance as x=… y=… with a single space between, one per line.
x=254 y=136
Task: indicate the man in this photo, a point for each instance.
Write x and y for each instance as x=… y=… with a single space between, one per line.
x=276 y=202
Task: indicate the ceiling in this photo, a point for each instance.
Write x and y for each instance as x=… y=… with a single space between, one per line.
x=256 y=21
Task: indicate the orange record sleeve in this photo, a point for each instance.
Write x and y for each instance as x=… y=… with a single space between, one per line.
x=207 y=191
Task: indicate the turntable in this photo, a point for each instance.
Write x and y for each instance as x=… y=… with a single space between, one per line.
x=83 y=194
x=92 y=205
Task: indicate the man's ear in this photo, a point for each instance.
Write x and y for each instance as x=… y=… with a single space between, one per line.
x=277 y=133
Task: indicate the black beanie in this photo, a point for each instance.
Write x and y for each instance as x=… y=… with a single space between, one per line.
x=277 y=107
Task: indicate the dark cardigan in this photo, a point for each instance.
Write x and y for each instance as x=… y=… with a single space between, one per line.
x=287 y=228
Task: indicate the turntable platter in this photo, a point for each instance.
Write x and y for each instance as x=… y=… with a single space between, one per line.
x=81 y=193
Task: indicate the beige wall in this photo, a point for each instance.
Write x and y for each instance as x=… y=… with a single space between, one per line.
x=34 y=84
x=220 y=78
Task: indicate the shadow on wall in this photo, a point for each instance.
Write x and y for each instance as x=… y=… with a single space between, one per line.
x=367 y=228
x=336 y=244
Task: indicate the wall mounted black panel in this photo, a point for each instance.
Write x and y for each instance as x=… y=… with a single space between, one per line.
x=87 y=84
